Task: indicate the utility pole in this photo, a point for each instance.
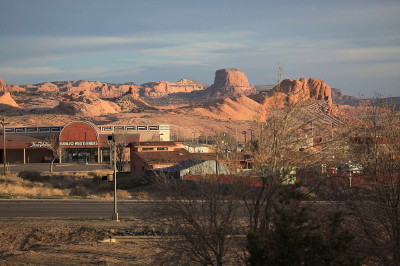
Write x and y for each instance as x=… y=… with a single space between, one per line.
x=3 y=123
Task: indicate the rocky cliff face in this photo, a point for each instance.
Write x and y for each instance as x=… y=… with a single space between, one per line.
x=2 y=85
x=163 y=88
x=303 y=89
x=230 y=83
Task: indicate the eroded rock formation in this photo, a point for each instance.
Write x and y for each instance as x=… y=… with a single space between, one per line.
x=303 y=89
x=85 y=103
x=130 y=102
x=162 y=88
x=6 y=99
x=230 y=83
x=2 y=85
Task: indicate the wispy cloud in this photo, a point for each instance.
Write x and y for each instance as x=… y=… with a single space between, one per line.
x=31 y=71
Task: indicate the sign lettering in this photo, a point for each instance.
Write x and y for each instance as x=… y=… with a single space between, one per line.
x=40 y=144
x=78 y=143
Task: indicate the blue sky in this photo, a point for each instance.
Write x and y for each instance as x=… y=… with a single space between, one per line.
x=352 y=45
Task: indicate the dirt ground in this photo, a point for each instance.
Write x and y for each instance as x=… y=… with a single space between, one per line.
x=75 y=242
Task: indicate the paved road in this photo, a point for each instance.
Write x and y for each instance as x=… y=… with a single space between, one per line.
x=75 y=208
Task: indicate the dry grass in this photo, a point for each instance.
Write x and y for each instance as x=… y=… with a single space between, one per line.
x=91 y=186
x=14 y=185
x=141 y=195
x=100 y=172
x=123 y=194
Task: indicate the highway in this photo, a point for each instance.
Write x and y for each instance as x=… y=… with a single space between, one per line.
x=75 y=208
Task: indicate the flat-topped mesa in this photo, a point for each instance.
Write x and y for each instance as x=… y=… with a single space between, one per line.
x=303 y=89
x=230 y=82
x=162 y=88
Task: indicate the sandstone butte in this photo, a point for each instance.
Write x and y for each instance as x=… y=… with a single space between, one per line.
x=230 y=82
x=303 y=89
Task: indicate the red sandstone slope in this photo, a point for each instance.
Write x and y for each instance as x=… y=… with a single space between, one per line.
x=86 y=104
x=7 y=100
x=132 y=103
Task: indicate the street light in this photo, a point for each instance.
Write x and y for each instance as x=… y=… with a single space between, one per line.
x=3 y=123
x=114 y=145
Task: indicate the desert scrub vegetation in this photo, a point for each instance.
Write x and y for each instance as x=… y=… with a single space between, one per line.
x=12 y=185
x=89 y=185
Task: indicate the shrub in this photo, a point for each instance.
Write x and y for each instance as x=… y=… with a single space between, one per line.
x=141 y=195
x=123 y=194
x=79 y=191
x=32 y=176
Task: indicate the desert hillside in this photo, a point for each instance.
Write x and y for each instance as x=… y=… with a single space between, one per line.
x=231 y=104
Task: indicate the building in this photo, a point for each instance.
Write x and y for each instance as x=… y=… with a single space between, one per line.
x=193 y=167
x=152 y=155
x=80 y=141
x=198 y=148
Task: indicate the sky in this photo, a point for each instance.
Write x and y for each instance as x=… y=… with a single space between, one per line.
x=351 y=45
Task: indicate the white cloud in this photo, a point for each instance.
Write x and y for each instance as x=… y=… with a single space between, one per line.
x=29 y=71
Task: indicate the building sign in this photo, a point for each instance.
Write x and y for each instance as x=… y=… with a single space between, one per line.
x=78 y=143
x=40 y=145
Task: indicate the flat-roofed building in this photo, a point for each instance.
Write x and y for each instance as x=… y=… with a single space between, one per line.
x=80 y=141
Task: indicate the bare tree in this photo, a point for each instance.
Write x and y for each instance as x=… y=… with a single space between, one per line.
x=53 y=144
x=204 y=222
x=122 y=152
x=375 y=203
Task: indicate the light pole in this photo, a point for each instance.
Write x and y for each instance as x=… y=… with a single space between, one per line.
x=115 y=214
x=3 y=123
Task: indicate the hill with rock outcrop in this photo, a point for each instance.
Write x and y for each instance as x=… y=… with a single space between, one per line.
x=163 y=88
x=85 y=103
x=110 y=90
x=229 y=104
x=303 y=89
x=6 y=99
x=130 y=102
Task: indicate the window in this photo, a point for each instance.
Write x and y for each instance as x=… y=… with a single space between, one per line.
x=162 y=148
x=147 y=149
